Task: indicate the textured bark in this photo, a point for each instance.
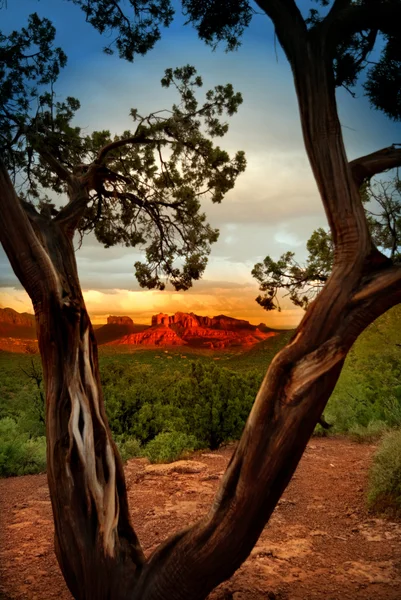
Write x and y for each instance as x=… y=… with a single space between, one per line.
x=96 y=547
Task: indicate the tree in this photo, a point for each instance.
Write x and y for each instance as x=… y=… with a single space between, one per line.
x=142 y=188
x=382 y=200
x=97 y=548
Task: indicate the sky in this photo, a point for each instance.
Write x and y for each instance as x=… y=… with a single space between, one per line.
x=274 y=206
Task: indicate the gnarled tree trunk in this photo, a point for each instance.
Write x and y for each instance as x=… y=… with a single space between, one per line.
x=96 y=546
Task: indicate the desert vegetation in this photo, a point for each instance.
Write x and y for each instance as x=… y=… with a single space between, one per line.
x=162 y=404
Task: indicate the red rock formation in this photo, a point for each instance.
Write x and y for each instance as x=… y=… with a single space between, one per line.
x=157 y=335
x=111 y=320
x=16 y=329
x=161 y=319
x=194 y=330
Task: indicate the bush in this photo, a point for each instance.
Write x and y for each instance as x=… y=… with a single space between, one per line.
x=20 y=455
x=384 y=493
x=169 y=446
x=128 y=447
x=371 y=433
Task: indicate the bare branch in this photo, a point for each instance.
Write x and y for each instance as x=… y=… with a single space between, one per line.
x=70 y=215
x=381 y=283
x=367 y=166
x=21 y=244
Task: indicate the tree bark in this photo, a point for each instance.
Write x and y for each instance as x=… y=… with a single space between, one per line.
x=96 y=546
x=301 y=378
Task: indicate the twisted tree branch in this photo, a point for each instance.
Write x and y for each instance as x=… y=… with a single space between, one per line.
x=369 y=165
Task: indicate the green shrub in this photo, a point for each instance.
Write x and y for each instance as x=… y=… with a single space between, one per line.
x=371 y=433
x=20 y=455
x=384 y=493
x=128 y=447
x=169 y=446
x=216 y=402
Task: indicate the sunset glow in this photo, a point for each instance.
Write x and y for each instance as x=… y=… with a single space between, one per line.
x=141 y=305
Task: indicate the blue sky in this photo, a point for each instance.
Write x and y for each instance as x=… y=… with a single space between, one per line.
x=274 y=206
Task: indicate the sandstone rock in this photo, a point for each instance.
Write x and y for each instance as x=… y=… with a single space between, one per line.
x=161 y=319
x=180 y=466
x=158 y=335
x=187 y=328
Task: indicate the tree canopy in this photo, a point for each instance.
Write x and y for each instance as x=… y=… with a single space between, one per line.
x=354 y=32
x=145 y=186
x=382 y=201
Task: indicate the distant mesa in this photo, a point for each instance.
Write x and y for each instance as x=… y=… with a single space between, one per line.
x=18 y=333
x=188 y=329
x=116 y=328
x=119 y=320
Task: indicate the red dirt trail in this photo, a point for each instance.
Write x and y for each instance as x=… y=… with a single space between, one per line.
x=321 y=542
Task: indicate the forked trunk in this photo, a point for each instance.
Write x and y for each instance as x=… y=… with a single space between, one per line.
x=96 y=546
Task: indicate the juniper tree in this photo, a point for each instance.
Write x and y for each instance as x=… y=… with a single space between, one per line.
x=142 y=188
x=97 y=548
x=302 y=282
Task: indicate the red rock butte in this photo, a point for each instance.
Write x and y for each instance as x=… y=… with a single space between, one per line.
x=188 y=329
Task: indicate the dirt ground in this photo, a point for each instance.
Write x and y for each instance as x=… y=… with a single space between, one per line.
x=321 y=543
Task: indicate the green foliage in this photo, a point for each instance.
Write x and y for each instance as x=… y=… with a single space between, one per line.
x=169 y=446
x=135 y=27
x=385 y=475
x=144 y=187
x=286 y=273
x=20 y=455
x=384 y=81
x=382 y=201
x=216 y=402
x=29 y=66
x=210 y=402
x=368 y=392
x=373 y=431
x=158 y=396
x=128 y=447
x=131 y=36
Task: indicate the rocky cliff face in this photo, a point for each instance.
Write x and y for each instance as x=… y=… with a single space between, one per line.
x=194 y=330
x=116 y=329
x=157 y=335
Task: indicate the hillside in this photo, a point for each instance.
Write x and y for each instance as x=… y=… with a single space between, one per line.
x=17 y=325
x=17 y=331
